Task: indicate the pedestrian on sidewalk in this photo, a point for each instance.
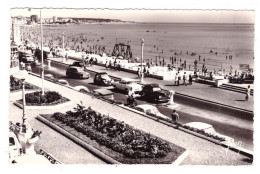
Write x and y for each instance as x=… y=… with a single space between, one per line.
x=144 y=71
x=175 y=117
x=248 y=93
x=184 y=79
x=110 y=64
x=115 y=65
x=190 y=79
x=176 y=80
x=179 y=78
x=106 y=64
x=139 y=73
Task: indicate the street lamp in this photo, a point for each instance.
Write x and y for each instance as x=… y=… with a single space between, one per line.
x=62 y=47
x=22 y=75
x=42 y=54
x=142 y=54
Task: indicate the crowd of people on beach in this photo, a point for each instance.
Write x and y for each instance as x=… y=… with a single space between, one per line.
x=84 y=42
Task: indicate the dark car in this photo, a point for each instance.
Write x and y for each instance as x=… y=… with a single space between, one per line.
x=153 y=93
x=27 y=58
x=76 y=72
x=77 y=64
x=102 y=79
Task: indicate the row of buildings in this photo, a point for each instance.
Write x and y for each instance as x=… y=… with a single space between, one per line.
x=35 y=19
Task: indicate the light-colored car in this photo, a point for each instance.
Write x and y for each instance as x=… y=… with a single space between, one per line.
x=125 y=84
x=15 y=148
x=150 y=109
x=208 y=128
x=105 y=93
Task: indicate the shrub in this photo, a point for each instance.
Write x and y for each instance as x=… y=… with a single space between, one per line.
x=37 y=97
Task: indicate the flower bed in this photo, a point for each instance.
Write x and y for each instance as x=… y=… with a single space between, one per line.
x=16 y=85
x=49 y=98
x=116 y=139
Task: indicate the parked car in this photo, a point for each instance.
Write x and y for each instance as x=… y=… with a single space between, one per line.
x=150 y=109
x=77 y=63
x=27 y=58
x=15 y=148
x=125 y=84
x=208 y=128
x=102 y=79
x=105 y=93
x=77 y=72
x=153 y=93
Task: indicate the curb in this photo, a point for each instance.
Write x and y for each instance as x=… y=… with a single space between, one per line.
x=181 y=158
x=78 y=141
x=44 y=107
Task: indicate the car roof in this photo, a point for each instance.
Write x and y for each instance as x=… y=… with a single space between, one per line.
x=199 y=125
x=103 y=91
x=129 y=79
x=146 y=106
x=74 y=67
x=153 y=85
x=101 y=73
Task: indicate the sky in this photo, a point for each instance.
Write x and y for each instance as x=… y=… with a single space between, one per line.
x=179 y=16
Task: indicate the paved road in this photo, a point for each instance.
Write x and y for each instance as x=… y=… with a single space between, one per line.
x=226 y=123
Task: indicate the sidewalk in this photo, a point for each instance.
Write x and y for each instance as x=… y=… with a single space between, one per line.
x=202 y=91
x=202 y=152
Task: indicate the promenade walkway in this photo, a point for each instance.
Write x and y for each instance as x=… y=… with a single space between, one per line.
x=202 y=91
x=202 y=152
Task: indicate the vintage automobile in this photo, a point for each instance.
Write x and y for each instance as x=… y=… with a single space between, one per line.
x=102 y=79
x=77 y=63
x=208 y=128
x=27 y=58
x=15 y=148
x=150 y=109
x=153 y=93
x=77 y=72
x=125 y=84
x=104 y=93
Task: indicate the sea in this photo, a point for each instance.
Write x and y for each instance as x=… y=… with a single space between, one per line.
x=217 y=46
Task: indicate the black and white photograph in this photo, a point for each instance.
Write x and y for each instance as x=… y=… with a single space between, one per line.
x=131 y=86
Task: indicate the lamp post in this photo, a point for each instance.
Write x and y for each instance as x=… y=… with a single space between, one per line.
x=22 y=75
x=62 y=47
x=42 y=54
x=142 y=54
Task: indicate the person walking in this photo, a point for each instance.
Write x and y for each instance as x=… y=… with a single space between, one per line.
x=106 y=64
x=175 y=117
x=139 y=73
x=110 y=64
x=190 y=79
x=144 y=71
x=184 y=79
x=248 y=93
x=176 y=80
x=179 y=78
